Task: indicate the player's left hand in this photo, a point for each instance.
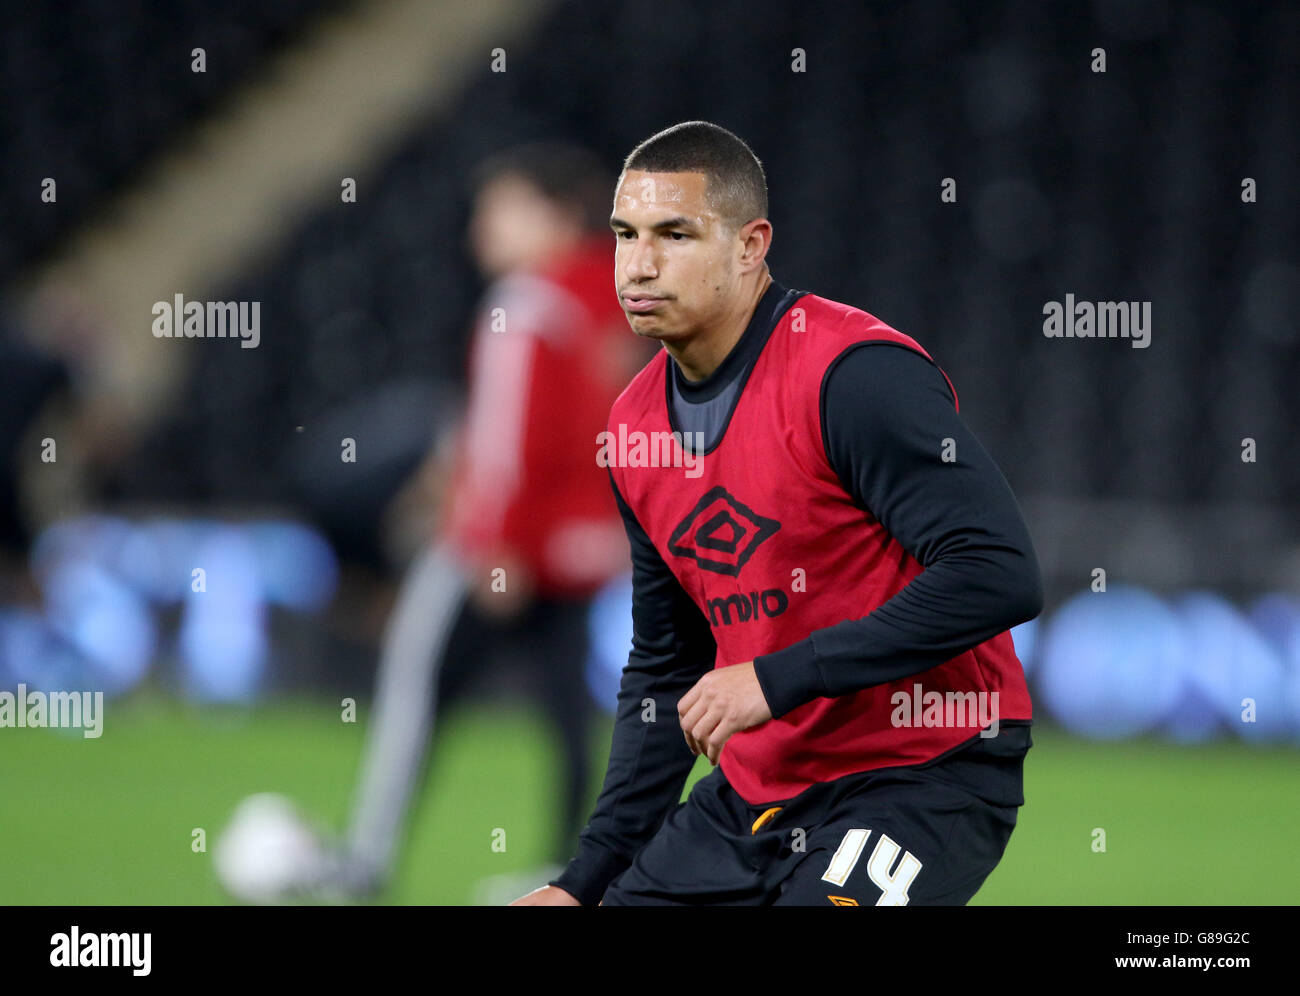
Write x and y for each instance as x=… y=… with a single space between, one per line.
x=725 y=701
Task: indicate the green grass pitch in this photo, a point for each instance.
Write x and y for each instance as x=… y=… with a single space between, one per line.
x=110 y=821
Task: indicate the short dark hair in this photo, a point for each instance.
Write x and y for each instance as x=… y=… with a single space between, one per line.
x=736 y=183
x=566 y=174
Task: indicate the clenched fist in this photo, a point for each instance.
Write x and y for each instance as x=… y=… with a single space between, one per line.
x=725 y=701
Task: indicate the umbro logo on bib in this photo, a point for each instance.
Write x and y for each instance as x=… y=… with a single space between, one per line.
x=721 y=534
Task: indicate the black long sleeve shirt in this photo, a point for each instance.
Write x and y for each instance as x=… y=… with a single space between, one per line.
x=886 y=413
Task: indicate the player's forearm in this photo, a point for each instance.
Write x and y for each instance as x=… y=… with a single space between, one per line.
x=954 y=605
x=889 y=420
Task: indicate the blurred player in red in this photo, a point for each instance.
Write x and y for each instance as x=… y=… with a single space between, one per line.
x=528 y=530
x=550 y=354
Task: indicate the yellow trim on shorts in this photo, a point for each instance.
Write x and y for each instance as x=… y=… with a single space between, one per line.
x=765 y=818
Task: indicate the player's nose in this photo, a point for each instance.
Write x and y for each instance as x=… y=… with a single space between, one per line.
x=640 y=263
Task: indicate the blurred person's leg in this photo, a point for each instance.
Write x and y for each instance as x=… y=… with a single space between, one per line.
x=550 y=638
x=436 y=643
x=429 y=608
x=559 y=644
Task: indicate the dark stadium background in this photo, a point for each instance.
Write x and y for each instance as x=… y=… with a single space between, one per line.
x=1121 y=185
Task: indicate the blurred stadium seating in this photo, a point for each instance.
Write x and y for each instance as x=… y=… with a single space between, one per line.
x=93 y=88
x=1119 y=187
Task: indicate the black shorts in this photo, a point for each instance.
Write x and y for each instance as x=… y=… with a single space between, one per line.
x=919 y=835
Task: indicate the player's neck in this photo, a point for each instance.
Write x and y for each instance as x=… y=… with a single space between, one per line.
x=704 y=353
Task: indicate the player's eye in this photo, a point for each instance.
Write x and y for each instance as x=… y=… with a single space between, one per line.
x=677 y=236
x=624 y=234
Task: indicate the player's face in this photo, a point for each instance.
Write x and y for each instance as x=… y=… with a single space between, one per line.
x=675 y=258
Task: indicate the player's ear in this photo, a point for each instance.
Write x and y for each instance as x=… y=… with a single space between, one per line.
x=755 y=239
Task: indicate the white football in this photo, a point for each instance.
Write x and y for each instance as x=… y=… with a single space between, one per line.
x=266 y=851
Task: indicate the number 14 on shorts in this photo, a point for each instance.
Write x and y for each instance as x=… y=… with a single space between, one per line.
x=893 y=888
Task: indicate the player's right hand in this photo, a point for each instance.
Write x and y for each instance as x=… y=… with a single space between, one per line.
x=547 y=895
